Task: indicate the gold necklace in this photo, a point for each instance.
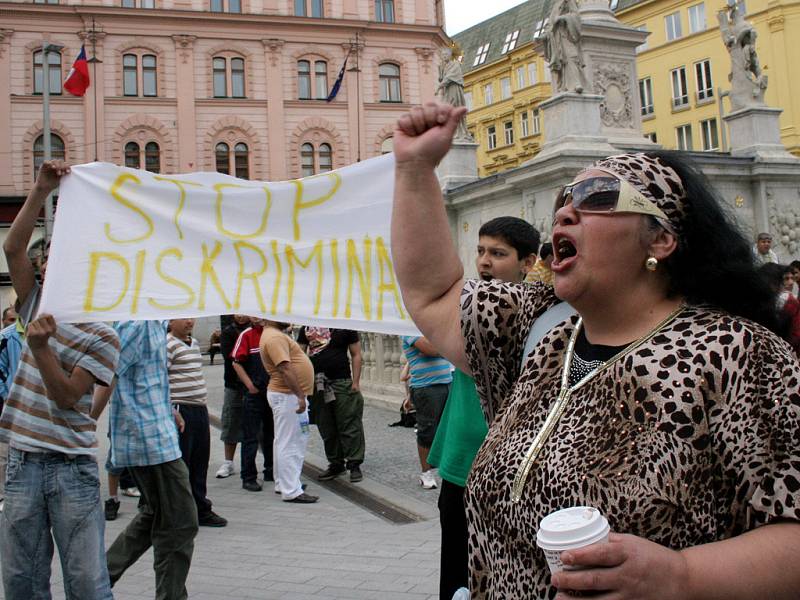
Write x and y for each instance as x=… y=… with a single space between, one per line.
x=565 y=394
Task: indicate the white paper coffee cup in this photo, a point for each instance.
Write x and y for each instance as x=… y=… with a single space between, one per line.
x=568 y=529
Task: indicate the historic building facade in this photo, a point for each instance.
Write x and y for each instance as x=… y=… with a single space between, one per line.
x=237 y=86
x=682 y=69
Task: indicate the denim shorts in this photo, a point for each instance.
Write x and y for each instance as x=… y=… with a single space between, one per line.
x=429 y=402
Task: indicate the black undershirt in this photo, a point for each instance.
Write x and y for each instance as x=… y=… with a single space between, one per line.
x=587 y=357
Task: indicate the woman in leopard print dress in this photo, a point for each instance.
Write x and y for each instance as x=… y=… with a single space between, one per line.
x=671 y=406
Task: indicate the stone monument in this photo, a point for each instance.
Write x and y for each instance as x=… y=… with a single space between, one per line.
x=562 y=48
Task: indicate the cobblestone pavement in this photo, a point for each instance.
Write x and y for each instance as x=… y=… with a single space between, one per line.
x=332 y=550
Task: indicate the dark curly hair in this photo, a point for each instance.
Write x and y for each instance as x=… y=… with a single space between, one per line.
x=713 y=263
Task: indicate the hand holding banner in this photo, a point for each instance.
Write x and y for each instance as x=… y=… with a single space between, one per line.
x=130 y=244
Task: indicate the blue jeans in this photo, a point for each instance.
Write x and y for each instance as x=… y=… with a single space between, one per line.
x=51 y=495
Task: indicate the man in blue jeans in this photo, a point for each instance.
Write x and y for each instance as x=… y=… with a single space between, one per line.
x=52 y=482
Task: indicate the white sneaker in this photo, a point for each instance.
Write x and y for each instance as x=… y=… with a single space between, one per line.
x=427 y=480
x=132 y=492
x=226 y=470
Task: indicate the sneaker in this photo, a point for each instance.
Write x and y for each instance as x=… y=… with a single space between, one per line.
x=132 y=492
x=226 y=470
x=251 y=486
x=427 y=480
x=332 y=472
x=111 y=509
x=304 y=499
x=355 y=474
x=212 y=519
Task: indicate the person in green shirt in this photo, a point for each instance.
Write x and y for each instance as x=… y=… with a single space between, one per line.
x=507 y=249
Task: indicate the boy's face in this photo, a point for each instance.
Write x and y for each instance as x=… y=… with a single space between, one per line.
x=496 y=259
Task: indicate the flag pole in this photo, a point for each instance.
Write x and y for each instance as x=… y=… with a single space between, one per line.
x=47 y=48
x=94 y=60
x=356 y=46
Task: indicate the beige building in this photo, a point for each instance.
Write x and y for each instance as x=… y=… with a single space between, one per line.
x=237 y=86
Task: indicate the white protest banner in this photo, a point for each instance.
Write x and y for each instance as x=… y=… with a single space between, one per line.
x=129 y=244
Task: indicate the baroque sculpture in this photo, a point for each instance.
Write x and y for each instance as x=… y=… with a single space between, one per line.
x=451 y=88
x=748 y=82
x=562 y=48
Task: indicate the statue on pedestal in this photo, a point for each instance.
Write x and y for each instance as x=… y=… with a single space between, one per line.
x=562 y=48
x=748 y=82
x=451 y=88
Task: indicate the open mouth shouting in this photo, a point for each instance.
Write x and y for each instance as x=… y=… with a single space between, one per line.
x=486 y=276
x=564 y=251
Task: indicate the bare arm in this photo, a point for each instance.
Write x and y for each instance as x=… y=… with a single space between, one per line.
x=751 y=566
x=289 y=376
x=23 y=275
x=420 y=229
x=244 y=378
x=65 y=390
x=100 y=398
x=424 y=346
x=355 y=358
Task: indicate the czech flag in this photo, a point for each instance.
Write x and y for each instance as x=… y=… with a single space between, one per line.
x=78 y=77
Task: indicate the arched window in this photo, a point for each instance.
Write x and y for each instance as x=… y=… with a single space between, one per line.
x=389 y=75
x=315 y=161
x=303 y=79
x=222 y=154
x=321 y=79
x=152 y=157
x=241 y=161
x=387 y=145
x=325 y=158
x=132 y=155
x=129 y=75
x=54 y=62
x=228 y=69
x=306 y=160
x=56 y=151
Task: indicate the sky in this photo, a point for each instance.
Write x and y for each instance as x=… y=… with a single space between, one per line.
x=463 y=14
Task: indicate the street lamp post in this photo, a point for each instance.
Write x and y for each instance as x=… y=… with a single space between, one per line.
x=47 y=48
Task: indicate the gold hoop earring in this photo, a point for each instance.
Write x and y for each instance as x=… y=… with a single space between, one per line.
x=651 y=264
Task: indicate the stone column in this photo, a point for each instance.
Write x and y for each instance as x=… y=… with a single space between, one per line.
x=6 y=178
x=94 y=101
x=276 y=127
x=186 y=93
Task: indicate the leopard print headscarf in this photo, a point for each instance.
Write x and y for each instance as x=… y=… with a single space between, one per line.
x=659 y=182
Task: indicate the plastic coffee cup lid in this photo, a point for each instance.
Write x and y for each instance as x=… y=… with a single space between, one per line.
x=572 y=528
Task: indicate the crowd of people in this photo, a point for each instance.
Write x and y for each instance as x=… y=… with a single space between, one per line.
x=636 y=363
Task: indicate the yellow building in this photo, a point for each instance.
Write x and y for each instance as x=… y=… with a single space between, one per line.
x=682 y=68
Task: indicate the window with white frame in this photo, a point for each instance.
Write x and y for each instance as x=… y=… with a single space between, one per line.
x=697 y=18
x=533 y=74
x=680 y=93
x=308 y=8
x=491 y=137
x=315 y=160
x=505 y=87
x=646 y=95
x=139 y=73
x=488 y=94
x=683 y=136
x=524 y=125
x=537 y=124
x=652 y=137
x=228 y=77
x=233 y=159
x=540 y=28
x=613 y=4
x=520 y=71
x=384 y=11
x=481 y=54
x=710 y=138
x=643 y=46
x=389 y=77
x=138 y=3
x=510 y=42
x=468 y=100
x=54 y=73
x=673 y=25
x=231 y=6
x=57 y=151
x=702 y=74
x=508 y=132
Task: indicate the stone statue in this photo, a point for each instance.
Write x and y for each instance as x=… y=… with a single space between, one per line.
x=451 y=89
x=748 y=82
x=562 y=48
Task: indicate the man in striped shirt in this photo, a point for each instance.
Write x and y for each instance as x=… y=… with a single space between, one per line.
x=52 y=482
x=188 y=394
x=429 y=384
